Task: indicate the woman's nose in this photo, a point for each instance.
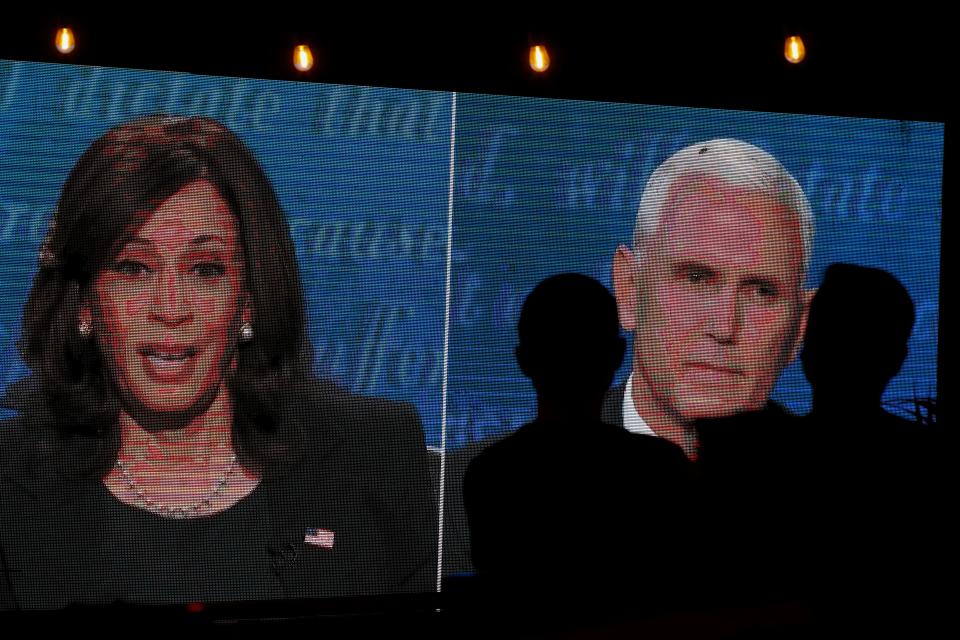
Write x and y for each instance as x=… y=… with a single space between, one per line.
x=172 y=302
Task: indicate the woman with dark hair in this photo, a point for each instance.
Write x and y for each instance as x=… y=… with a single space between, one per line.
x=172 y=444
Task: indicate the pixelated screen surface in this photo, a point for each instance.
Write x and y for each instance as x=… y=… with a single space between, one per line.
x=418 y=222
x=547 y=186
x=568 y=176
x=260 y=224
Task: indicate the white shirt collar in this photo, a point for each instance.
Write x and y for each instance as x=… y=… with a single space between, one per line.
x=632 y=421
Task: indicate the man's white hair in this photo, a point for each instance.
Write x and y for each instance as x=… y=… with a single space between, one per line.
x=738 y=164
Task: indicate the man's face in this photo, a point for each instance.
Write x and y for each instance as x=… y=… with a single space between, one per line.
x=715 y=302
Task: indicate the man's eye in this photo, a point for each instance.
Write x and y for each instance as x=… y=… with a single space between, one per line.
x=697 y=276
x=766 y=291
x=131 y=268
x=209 y=269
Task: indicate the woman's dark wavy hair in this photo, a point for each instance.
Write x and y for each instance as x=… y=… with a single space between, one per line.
x=115 y=185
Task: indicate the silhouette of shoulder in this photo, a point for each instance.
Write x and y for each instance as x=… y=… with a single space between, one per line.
x=537 y=444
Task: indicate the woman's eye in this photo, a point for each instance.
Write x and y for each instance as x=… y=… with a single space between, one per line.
x=130 y=268
x=209 y=269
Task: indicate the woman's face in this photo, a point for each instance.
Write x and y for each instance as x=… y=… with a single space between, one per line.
x=167 y=311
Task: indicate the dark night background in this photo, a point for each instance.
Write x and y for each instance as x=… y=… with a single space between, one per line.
x=885 y=66
x=892 y=67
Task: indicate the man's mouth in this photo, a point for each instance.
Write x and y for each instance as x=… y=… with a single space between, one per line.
x=715 y=368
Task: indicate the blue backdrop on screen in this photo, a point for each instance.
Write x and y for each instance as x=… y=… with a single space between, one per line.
x=544 y=186
x=540 y=187
x=362 y=174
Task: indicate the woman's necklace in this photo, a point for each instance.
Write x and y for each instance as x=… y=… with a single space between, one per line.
x=187 y=511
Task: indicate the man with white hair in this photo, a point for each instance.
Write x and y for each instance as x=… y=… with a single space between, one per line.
x=713 y=290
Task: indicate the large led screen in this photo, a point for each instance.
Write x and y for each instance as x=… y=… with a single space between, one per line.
x=253 y=332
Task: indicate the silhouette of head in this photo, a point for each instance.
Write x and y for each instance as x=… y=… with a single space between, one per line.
x=570 y=336
x=857 y=333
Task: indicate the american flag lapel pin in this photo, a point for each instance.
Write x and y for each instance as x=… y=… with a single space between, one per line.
x=322 y=538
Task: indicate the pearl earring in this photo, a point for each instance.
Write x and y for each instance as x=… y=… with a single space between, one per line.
x=246 y=332
x=85 y=329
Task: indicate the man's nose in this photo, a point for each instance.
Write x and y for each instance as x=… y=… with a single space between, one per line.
x=723 y=323
x=171 y=304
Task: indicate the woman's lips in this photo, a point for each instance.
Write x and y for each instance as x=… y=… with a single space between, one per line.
x=168 y=349
x=169 y=370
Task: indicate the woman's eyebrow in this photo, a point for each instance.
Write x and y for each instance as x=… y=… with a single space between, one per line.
x=201 y=239
x=204 y=238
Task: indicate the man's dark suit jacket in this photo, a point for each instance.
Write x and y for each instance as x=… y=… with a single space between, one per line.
x=771 y=441
x=751 y=503
x=363 y=475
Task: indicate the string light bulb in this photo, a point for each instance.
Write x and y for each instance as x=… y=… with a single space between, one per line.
x=539 y=58
x=302 y=58
x=65 y=41
x=793 y=50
